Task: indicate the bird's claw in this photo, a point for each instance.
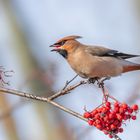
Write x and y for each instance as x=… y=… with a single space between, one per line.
x=92 y=80
x=101 y=83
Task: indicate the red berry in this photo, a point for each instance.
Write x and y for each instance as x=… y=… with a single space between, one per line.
x=98 y=121
x=119 y=117
x=121 y=110
x=135 y=107
x=134 y=117
x=119 y=124
x=106 y=118
x=125 y=117
x=87 y=115
x=107 y=128
x=111 y=115
x=97 y=116
x=108 y=108
x=116 y=131
x=110 y=136
x=130 y=110
x=106 y=124
x=124 y=106
x=107 y=104
x=116 y=104
x=99 y=110
x=129 y=116
x=105 y=132
x=104 y=109
x=120 y=130
x=90 y=122
x=116 y=109
x=99 y=126
x=112 y=126
x=94 y=112
x=116 y=122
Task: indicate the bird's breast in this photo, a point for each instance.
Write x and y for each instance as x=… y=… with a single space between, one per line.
x=80 y=64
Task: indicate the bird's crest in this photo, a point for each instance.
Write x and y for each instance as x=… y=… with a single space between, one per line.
x=73 y=37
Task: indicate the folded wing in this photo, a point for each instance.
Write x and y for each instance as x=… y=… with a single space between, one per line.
x=105 y=52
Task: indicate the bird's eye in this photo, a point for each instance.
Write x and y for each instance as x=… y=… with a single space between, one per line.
x=59 y=44
x=62 y=43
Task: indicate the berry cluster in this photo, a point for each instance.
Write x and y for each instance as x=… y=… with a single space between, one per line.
x=109 y=117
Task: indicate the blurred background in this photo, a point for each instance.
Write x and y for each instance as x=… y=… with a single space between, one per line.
x=27 y=28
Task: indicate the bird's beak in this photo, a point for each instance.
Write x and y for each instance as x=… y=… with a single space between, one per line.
x=52 y=45
x=55 y=48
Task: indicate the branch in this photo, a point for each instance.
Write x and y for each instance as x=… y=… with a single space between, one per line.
x=49 y=99
x=44 y=99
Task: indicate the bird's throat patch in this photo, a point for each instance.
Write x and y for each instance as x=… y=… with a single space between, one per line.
x=63 y=52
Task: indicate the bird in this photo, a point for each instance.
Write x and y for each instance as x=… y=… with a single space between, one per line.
x=93 y=61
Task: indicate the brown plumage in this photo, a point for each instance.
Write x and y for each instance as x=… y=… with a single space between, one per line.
x=93 y=61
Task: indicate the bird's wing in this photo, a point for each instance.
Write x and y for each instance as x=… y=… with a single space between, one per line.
x=102 y=51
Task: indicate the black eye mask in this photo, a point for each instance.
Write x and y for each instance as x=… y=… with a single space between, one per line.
x=60 y=43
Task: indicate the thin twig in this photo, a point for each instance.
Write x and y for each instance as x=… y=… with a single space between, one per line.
x=101 y=85
x=67 y=90
x=68 y=82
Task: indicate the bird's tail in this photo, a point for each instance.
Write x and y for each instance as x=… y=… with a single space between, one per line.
x=133 y=67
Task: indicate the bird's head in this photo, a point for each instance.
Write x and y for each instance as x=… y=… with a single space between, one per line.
x=66 y=45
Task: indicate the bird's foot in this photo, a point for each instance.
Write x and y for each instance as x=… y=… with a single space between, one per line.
x=93 y=80
x=101 y=82
x=106 y=78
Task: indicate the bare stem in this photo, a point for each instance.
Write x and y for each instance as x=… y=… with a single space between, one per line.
x=67 y=90
x=68 y=82
x=44 y=99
